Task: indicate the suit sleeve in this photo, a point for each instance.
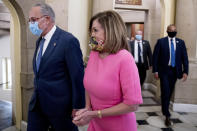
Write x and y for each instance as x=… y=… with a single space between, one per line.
x=73 y=56
x=185 y=59
x=156 y=56
x=149 y=55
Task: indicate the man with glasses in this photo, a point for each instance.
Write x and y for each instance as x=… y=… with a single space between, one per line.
x=58 y=69
x=170 y=61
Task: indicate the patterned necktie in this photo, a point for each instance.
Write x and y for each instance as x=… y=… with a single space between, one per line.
x=139 y=53
x=38 y=60
x=172 y=54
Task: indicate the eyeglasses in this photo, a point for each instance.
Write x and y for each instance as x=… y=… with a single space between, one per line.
x=34 y=19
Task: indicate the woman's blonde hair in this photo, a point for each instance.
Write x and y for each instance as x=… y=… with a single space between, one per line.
x=115 y=31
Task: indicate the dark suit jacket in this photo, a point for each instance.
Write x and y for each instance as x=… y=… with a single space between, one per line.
x=59 y=81
x=161 y=56
x=147 y=53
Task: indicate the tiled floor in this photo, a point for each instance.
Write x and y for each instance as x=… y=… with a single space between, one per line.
x=5 y=92
x=149 y=117
x=5 y=114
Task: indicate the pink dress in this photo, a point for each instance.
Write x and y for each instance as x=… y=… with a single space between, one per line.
x=110 y=81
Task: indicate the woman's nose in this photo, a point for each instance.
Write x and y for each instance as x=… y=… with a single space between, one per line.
x=92 y=34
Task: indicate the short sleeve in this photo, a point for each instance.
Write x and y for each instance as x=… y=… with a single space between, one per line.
x=129 y=80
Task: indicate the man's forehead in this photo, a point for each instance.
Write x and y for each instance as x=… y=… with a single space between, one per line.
x=35 y=11
x=139 y=32
x=172 y=28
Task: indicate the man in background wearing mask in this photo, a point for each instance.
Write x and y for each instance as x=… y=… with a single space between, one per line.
x=58 y=69
x=142 y=54
x=170 y=61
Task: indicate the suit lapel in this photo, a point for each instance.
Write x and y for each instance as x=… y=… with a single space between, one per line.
x=144 y=47
x=177 y=48
x=166 y=42
x=51 y=46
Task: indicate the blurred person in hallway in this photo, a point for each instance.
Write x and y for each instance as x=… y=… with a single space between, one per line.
x=58 y=70
x=142 y=53
x=170 y=61
x=111 y=78
x=132 y=38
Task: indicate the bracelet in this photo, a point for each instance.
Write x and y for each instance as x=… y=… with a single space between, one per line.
x=99 y=114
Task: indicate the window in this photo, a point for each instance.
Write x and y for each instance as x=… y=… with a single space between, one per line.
x=6 y=79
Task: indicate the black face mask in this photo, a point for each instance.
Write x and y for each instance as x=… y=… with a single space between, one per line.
x=172 y=34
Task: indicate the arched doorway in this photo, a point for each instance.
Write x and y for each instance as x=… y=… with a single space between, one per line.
x=15 y=41
x=5 y=69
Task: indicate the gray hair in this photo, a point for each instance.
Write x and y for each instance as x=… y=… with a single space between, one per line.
x=46 y=10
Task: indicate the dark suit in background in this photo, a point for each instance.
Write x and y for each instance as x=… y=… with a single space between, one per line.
x=168 y=74
x=147 y=59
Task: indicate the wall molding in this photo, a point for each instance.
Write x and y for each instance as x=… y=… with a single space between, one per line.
x=179 y=107
x=150 y=86
x=23 y=126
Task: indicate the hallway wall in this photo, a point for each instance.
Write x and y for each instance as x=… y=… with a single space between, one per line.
x=186 y=18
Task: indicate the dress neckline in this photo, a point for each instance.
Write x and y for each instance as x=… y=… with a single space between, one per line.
x=103 y=57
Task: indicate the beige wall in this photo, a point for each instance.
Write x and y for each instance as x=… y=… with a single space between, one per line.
x=102 y=5
x=79 y=13
x=185 y=21
x=61 y=12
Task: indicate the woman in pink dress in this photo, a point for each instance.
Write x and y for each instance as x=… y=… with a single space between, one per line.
x=111 y=78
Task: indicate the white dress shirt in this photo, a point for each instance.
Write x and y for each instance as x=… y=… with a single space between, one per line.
x=47 y=38
x=136 y=51
x=174 y=42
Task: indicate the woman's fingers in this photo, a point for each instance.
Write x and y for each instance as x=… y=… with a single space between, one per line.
x=77 y=118
x=81 y=111
x=80 y=122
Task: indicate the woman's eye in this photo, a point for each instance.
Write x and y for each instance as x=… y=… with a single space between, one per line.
x=95 y=30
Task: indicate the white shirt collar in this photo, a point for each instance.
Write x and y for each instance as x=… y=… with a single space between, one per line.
x=138 y=41
x=169 y=38
x=50 y=33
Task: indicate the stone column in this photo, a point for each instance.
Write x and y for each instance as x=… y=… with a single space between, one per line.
x=185 y=92
x=73 y=16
